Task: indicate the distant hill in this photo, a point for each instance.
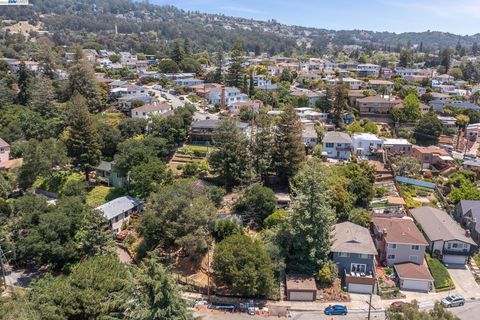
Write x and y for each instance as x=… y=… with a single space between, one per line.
x=88 y=20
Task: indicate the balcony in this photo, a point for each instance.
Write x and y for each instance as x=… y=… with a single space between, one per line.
x=360 y=277
x=463 y=252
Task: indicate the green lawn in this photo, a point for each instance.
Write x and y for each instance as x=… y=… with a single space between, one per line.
x=102 y=194
x=441 y=277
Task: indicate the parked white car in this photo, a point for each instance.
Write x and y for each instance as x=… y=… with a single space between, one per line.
x=453 y=301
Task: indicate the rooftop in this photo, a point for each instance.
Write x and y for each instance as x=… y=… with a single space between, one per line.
x=399 y=230
x=350 y=237
x=300 y=282
x=411 y=270
x=438 y=225
x=118 y=206
x=3 y=143
x=337 y=137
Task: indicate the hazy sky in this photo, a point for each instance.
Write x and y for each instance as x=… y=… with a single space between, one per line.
x=456 y=16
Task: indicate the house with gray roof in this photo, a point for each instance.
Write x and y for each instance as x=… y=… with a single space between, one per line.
x=445 y=237
x=337 y=145
x=467 y=212
x=202 y=131
x=354 y=253
x=107 y=173
x=119 y=210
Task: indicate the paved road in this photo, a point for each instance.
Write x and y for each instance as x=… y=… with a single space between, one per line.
x=470 y=311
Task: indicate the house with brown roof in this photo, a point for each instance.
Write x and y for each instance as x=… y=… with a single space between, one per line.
x=432 y=156
x=413 y=277
x=354 y=253
x=398 y=240
x=301 y=288
x=445 y=237
x=375 y=105
x=376 y=84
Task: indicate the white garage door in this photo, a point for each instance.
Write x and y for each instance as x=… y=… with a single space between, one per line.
x=453 y=259
x=360 y=288
x=301 y=296
x=415 y=285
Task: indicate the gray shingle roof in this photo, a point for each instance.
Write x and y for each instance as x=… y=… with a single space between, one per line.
x=118 y=206
x=350 y=237
x=337 y=137
x=438 y=225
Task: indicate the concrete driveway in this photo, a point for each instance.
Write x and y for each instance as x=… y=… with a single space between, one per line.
x=465 y=283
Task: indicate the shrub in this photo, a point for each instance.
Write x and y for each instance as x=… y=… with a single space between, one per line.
x=328 y=273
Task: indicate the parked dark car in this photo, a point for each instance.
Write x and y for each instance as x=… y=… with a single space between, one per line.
x=336 y=310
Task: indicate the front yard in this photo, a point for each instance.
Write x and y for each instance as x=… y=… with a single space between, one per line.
x=441 y=278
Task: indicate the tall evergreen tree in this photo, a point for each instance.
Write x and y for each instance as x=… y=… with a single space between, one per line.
x=82 y=81
x=312 y=220
x=23 y=82
x=261 y=144
x=339 y=103
x=235 y=69
x=48 y=65
x=289 y=152
x=83 y=141
x=251 y=87
x=446 y=58
x=475 y=48
x=42 y=97
x=177 y=53
x=219 y=60
x=231 y=159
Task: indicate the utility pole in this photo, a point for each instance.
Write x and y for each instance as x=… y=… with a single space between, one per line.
x=208 y=274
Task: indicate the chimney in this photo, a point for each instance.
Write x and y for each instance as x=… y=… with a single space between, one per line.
x=384 y=231
x=467 y=233
x=222 y=95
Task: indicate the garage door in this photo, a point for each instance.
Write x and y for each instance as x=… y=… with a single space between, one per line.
x=301 y=296
x=415 y=285
x=360 y=288
x=453 y=259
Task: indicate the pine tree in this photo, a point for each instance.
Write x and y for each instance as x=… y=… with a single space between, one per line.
x=339 y=103
x=186 y=46
x=94 y=237
x=48 y=65
x=231 y=159
x=218 y=78
x=83 y=141
x=289 y=151
x=475 y=48
x=23 y=82
x=42 y=97
x=235 y=69
x=177 y=53
x=251 y=88
x=312 y=220
x=245 y=84
x=261 y=145
x=82 y=81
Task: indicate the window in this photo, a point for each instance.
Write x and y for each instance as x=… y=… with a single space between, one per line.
x=391 y=256
x=329 y=145
x=344 y=254
x=415 y=247
x=455 y=245
x=358 y=267
x=392 y=246
x=364 y=256
x=413 y=258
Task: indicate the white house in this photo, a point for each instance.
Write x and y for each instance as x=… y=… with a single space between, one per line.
x=153 y=109
x=231 y=96
x=366 y=143
x=337 y=145
x=119 y=210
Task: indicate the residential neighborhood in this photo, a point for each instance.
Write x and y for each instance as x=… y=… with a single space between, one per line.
x=180 y=165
